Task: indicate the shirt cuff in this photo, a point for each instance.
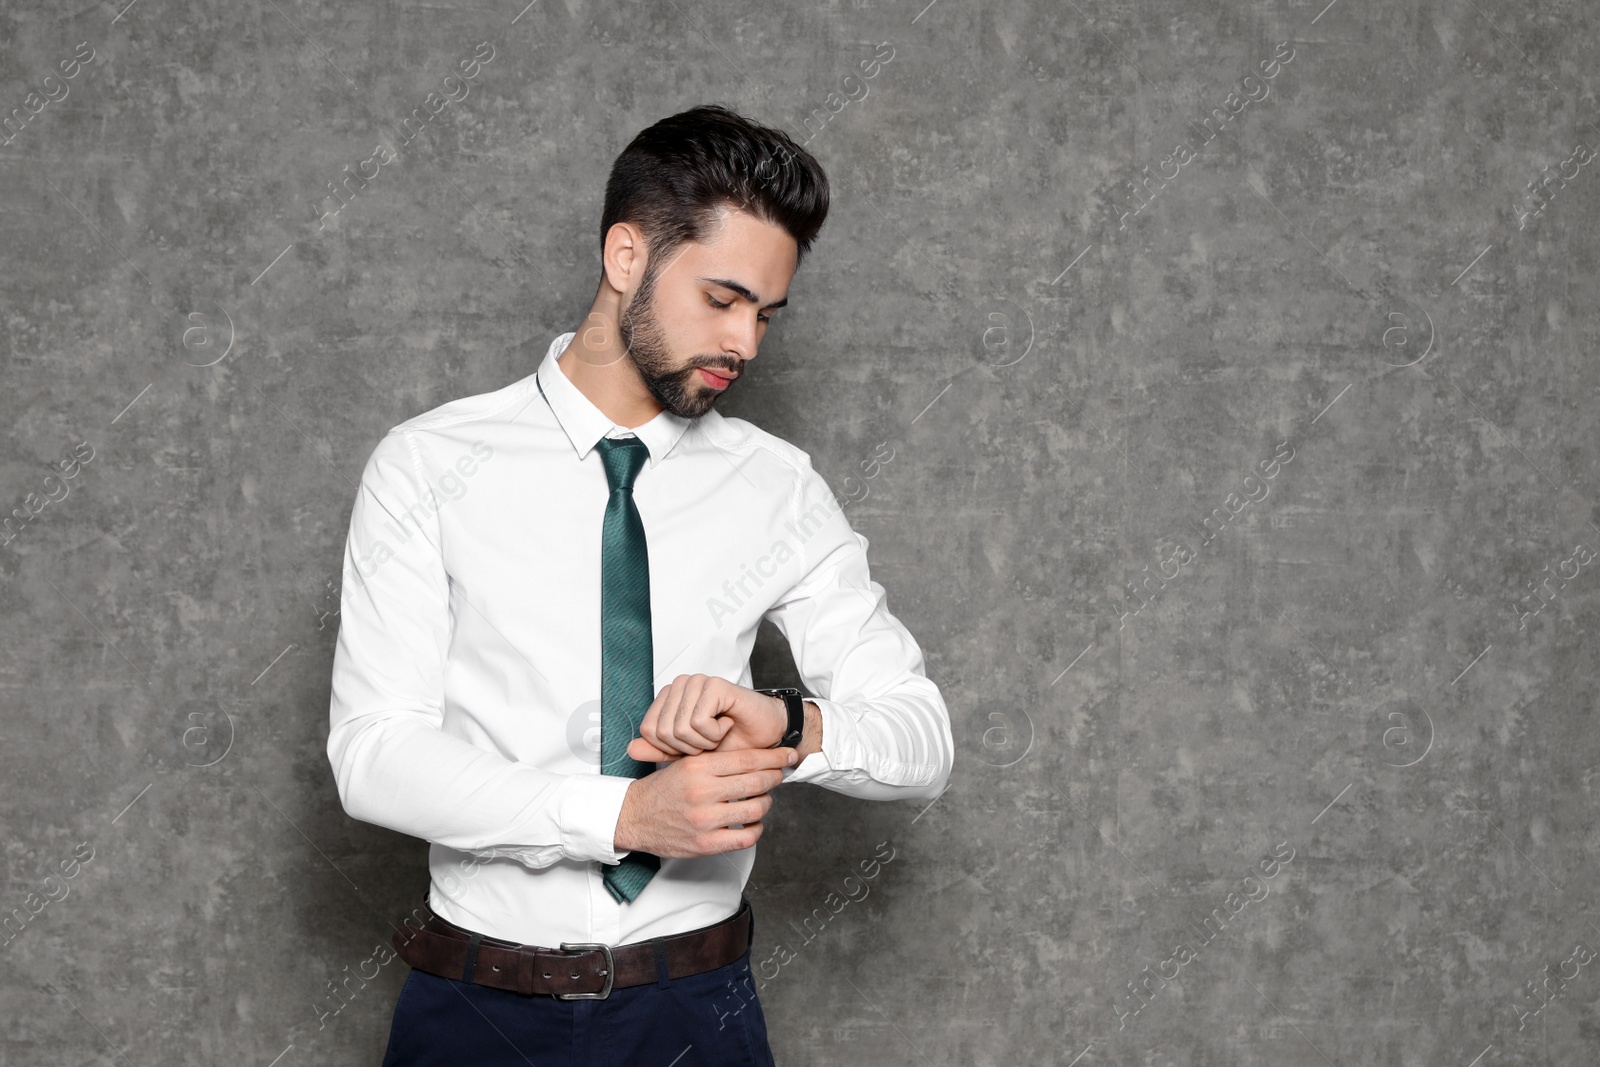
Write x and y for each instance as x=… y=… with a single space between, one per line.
x=589 y=810
x=840 y=744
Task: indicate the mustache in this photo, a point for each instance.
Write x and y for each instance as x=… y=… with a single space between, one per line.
x=728 y=365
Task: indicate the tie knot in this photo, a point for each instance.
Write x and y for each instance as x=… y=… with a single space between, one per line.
x=623 y=458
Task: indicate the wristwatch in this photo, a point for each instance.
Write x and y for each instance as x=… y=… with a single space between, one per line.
x=794 y=702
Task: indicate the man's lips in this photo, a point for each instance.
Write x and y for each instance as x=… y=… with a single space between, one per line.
x=715 y=379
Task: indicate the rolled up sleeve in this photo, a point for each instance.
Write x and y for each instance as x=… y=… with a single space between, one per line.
x=394 y=764
x=886 y=731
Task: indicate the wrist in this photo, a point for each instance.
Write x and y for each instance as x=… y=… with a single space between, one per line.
x=622 y=835
x=811 y=738
x=789 y=706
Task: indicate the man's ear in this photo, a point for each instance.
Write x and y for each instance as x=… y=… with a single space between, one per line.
x=623 y=257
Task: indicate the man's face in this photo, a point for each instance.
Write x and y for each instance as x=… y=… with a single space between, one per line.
x=673 y=326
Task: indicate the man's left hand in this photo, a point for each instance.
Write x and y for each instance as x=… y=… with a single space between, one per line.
x=700 y=712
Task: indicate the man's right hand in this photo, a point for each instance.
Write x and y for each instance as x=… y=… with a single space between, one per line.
x=687 y=808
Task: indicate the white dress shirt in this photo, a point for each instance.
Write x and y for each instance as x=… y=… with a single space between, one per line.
x=466 y=678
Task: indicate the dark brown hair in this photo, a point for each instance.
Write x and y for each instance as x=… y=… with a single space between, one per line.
x=673 y=177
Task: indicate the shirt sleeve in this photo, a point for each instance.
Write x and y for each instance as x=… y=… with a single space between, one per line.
x=394 y=765
x=885 y=728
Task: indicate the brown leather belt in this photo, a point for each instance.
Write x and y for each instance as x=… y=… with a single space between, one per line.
x=578 y=969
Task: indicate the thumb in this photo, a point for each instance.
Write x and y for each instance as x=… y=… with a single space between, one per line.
x=642 y=750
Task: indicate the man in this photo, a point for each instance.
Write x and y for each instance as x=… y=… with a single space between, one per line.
x=551 y=594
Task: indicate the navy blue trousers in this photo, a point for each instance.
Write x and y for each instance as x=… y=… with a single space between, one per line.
x=712 y=1019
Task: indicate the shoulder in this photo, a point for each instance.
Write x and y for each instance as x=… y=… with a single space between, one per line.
x=808 y=496
x=478 y=408
x=405 y=449
x=740 y=435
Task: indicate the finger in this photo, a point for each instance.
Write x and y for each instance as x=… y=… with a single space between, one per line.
x=730 y=840
x=752 y=784
x=698 y=695
x=721 y=842
x=676 y=727
x=755 y=808
x=698 y=719
x=649 y=726
x=640 y=749
x=684 y=689
x=665 y=735
x=743 y=813
x=744 y=760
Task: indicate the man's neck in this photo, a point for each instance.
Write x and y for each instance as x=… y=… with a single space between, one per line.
x=608 y=379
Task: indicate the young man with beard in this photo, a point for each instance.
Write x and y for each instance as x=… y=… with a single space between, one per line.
x=527 y=675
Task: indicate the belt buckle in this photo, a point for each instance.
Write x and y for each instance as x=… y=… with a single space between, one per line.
x=610 y=972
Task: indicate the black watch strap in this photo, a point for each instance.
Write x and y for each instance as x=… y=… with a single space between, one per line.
x=794 y=702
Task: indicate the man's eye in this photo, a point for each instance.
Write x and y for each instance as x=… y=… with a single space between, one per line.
x=720 y=304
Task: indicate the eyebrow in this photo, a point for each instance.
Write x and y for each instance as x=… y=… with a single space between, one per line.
x=742 y=291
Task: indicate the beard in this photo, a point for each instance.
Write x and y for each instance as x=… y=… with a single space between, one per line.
x=677 y=389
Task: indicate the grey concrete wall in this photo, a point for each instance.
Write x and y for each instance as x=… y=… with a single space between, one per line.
x=1247 y=519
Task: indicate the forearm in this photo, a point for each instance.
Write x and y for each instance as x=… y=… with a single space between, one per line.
x=811 y=725
x=403 y=773
x=892 y=748
x=395 y=763
x=886 y=731
x=811 y=738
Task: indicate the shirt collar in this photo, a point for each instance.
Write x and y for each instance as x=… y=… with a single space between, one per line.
x=586 y=424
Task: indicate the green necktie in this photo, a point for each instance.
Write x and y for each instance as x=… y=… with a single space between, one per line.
x=626 y=654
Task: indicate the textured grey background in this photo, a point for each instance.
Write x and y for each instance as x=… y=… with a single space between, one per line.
x=1351 y=671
